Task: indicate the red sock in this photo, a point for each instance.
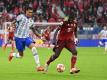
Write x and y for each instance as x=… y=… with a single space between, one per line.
x=73 y=61
x=13 y=47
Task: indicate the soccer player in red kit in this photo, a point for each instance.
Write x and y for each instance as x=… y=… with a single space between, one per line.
x=10 y=39
x=66 y=38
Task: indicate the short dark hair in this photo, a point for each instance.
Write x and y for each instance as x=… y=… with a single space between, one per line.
x=29 y=8
x=72 y=16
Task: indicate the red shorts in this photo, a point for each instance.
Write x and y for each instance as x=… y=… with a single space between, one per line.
x=10 y=38
x=68 y=44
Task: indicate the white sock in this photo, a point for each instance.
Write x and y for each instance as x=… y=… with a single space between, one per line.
x=36 y=56
x=16 y=55
x=105 y=46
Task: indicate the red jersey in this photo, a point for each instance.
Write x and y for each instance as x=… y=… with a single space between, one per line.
x=67 y=31
x=11 y=34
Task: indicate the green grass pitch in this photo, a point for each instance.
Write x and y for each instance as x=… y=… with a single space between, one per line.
x=91 y=61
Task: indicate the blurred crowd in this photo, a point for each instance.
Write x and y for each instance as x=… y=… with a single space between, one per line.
x=91 y=12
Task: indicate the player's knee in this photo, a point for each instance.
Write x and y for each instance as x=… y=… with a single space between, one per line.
x=74 y=52
x=56 y=55
x=54 y=49
x=34 y=50
x=31 y=45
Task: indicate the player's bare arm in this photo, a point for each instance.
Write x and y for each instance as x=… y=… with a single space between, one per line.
x=13 y=23
x=35 y=31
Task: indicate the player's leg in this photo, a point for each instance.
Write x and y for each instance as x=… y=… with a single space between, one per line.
x=16 y=55
x=12 y=44
x=56 y=54
x=20 y=46
x=5 y=45
x=57 y=50
x=105 y=46
x=35 y=54
x=31 y=45
x=72 y=48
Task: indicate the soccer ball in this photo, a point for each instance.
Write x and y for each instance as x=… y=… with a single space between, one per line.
x=60 y=67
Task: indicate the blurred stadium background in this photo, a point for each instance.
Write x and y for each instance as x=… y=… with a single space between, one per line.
x=91 y=14
x=92 y=17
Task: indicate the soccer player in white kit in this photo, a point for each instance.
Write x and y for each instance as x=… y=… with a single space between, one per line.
x=103 y=37
x=22 y=39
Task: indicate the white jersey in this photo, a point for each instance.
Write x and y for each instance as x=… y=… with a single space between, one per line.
x=23 y=25
x=103 y=34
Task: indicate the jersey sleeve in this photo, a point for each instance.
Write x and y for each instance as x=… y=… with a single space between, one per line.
x=19 y=17
x=32 y=23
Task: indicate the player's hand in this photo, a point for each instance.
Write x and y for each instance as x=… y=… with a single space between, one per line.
x=76 y=41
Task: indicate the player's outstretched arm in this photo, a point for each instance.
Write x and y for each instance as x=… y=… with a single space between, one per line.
x=35 y=31
x=13 y=23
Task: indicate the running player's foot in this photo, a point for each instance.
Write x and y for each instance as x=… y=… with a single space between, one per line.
x=40 y=68
x=10 y=56
x=74 y=70
x=46 y=68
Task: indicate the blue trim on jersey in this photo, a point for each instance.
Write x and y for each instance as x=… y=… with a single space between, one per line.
x=21 y=43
